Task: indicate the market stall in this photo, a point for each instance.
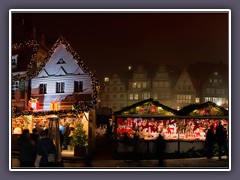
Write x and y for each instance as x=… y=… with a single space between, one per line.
x=183 y=130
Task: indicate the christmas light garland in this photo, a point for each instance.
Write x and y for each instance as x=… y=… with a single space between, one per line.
x=35 y=46
x=78 y=106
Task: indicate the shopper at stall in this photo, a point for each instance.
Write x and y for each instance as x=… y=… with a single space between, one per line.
x=221 y=139
x=209 y=142
x=26 y=149
x=66 y=135
x=34 y=135
x=47 y=150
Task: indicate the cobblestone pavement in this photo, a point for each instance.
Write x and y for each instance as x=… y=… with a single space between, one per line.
x=103 y=159
x=199 y=163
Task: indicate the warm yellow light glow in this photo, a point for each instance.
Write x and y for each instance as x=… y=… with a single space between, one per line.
x=54 y=106
x=106 y=79
x=219 y=103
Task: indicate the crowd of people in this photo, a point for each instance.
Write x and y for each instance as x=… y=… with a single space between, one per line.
x=216 y=136
x=37 y=149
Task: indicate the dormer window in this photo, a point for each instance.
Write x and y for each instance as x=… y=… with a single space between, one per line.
x=61 y=61
x=14 y=61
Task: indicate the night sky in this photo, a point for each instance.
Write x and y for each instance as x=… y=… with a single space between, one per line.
x=109 y=42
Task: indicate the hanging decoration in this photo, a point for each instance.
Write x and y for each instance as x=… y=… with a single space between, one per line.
x=33 y=104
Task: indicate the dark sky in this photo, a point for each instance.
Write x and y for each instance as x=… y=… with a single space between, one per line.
x=109 y=42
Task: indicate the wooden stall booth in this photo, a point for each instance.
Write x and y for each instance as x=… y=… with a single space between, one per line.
x=183 y=130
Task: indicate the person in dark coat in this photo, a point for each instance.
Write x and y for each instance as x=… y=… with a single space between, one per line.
x=66 y=135
x=161 y=146
x=221 y=139
x=47 y=150
x=135 y=146
x=210 y=141
x=26 y=148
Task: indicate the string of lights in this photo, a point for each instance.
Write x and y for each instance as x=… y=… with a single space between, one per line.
x=78 y=106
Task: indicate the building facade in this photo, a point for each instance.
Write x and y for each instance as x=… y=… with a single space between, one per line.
x=172 y=87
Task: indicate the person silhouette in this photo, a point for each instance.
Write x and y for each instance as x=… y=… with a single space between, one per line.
x=221 y=139
x=209 y=142
x=161 y=146
x=47 y=150
x=26 y=149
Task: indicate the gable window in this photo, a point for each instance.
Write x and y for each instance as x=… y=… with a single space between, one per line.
x=60 y=87
x=78 y=86
x=43 y=89
x=61 y=61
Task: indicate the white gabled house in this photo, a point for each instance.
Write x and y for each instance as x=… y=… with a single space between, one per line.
x=62 y=80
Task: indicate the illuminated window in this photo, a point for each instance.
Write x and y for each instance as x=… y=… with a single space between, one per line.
x=139 y=85
x=60 y=87
x=106 y=79
x=155 y=96
x=144 y=85
x=215 y=73
x=131 y=96
x=136 y=96
x=43 y=89
x=146 y=95
x=134 y=85
x=78 y=86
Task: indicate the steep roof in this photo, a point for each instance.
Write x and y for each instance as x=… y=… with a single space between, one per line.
x=204 y=109
x=26 y=56
x=147 y=107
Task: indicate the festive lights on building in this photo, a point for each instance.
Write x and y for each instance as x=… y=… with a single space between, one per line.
x=79 y=106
